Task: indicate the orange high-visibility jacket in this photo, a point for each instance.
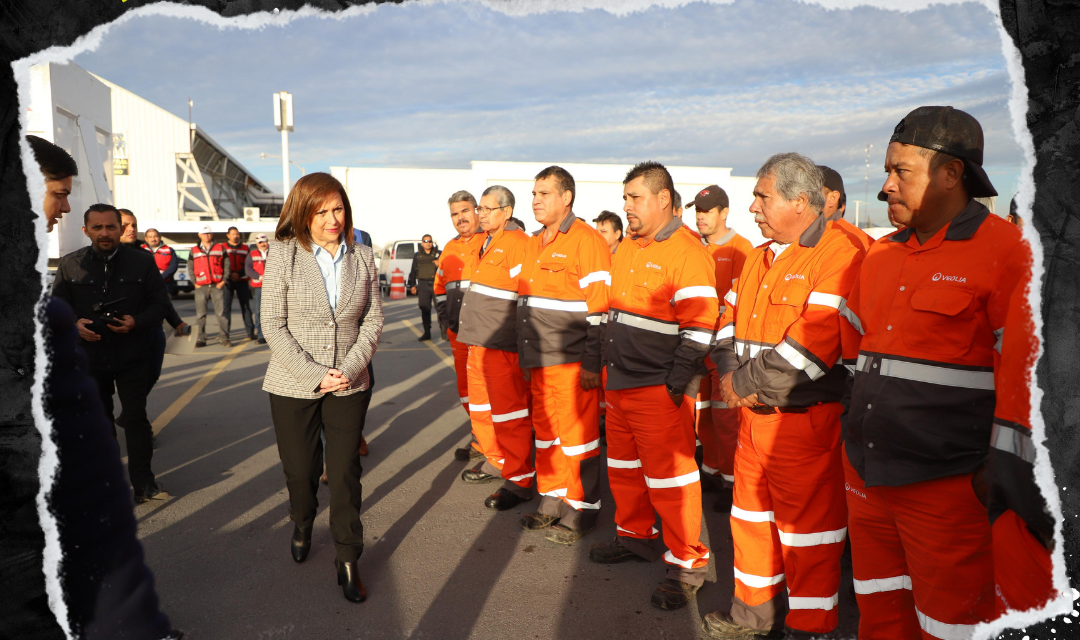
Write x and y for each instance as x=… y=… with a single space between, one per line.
x=780 y=332
x=489 y=309
x=929 y=319
x=838 y=221
x=562 y=296
x=729 y=254
x=452 y=279
x=1010 y=467
x=663 y=308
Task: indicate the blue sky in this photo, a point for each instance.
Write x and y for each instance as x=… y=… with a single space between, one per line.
x=439 y=84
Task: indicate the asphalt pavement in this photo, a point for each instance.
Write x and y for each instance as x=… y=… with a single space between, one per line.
x=436 y=563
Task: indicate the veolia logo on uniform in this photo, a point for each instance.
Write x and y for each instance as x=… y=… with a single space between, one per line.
x=557 y=255
x=794 y=276
x=852 y=489
x=940 y=277
x=654 y=266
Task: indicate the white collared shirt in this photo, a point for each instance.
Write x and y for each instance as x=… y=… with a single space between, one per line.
x=330 y=269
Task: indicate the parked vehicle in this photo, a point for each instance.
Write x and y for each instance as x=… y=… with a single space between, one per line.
x=180 y=282
x=396 y=255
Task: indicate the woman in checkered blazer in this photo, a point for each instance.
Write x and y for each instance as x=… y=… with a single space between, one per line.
x=322 y=317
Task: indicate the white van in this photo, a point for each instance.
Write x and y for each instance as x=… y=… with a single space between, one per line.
x=396 y=255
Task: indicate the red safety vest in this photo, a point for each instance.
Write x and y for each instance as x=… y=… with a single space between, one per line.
x=258 y=263
x=237 y=257
x=209 y=268
x=162 y=255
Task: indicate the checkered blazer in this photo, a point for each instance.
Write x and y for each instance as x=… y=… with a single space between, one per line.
x=306 y=339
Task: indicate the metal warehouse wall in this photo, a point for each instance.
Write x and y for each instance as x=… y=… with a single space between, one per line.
x=153 y=137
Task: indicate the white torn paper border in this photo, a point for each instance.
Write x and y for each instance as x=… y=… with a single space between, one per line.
x=47 y=468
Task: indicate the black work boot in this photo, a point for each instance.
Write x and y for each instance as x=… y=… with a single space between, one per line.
x=673 y=594
x=613 y=553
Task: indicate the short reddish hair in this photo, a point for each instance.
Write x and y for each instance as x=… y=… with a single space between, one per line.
x=305 y=198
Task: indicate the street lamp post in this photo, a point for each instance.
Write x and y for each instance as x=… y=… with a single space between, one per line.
x=283 y=120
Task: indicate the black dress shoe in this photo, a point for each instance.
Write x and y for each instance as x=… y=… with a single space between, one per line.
x=174 y=634
x=261 y=341
x=349 y=579
x=301 y=543
x=504 y=499
x=476 y=476
x=673 y=594
x=425 y=337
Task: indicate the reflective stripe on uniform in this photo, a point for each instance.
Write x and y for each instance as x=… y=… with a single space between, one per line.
x=707 y=470
x=577 y=450
x=544 y=444
x=623 y=464
x=670 y=483
x=557 y=493
x=1012 y=440
x=879 y=585
x=944 y=630
x=752 y=516
x=727 y=477
x=479 y=407
x=812 y=539
x=582 y=505
x=651 y=533
x=1000 y=335
x=648 y=324
x=694 y=292
x=759 y=582
x=465 y=400
x=703 y=404
x=750 y=348
x=440 y=297
x=931 y=374
x=852 y=319
x=594 y=320
x=514 y=271
x=727 y=331
x=688 y=564
x=573 y=306
x=826 y=300
x=595 y=276
x=799 y=361
x=522 y=477
x=493 y=292
x=503 y=417
x=798 y=602
x=697 y=335
x=458 y=284
x=731 y=296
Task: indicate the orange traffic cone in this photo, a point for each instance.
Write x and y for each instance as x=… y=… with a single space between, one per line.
x=397 y=285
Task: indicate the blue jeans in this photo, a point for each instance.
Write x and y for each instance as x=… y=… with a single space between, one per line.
x=256 y=310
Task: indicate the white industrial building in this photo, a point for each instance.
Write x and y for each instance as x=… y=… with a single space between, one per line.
x=404 y=204
x=135 y=155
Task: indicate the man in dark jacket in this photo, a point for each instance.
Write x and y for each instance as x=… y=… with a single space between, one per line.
x=422 y=280
x=119 y=297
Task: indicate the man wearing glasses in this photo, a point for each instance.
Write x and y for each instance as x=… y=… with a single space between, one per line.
x=422 y=279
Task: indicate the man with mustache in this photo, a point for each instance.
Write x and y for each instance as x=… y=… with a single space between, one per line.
x=498 y=391
x=929 y=307
x=663 y=308
x=451 y=283
x=777 y=354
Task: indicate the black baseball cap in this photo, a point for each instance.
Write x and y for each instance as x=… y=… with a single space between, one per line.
x=710 y=198
x=950 y=131
x=833 y=181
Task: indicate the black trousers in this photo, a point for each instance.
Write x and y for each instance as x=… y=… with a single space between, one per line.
x=298 y=423
x=132 y=385
x=241 y=292
x=425 y=295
